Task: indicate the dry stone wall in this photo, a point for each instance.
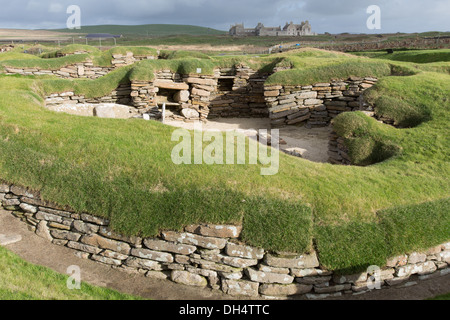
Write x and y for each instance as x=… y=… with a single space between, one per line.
x=211 y=255
x=83 y=70
x=315 y=105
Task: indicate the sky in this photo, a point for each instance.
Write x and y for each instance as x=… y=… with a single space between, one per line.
x=324 y=15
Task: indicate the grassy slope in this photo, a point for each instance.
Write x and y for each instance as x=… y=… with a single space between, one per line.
x=122 y=170
x=149 y=29
x=20 y=280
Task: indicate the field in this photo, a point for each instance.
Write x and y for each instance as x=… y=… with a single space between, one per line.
x=395 y=202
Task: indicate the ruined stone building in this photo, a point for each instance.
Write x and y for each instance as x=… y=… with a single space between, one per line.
x=290 y=29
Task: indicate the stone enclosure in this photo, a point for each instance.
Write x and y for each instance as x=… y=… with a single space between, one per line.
x=213 y=256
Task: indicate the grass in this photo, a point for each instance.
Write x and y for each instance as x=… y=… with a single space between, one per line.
x=49 y=62
x=416 y=56
x=443 y=297
x=354 y=216
x=20 y=280
x=148 y=30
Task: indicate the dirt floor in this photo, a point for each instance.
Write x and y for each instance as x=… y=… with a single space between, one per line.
x=312 y=144
x=41 y=252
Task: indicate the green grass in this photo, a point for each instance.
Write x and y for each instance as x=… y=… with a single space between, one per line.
x=416 y=56
x=49 y=62
x=20 y=280
x=148 y=30
x=354 y=216
x=443 y=297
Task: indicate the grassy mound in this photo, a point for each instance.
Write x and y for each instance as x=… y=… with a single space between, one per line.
x=353 y=216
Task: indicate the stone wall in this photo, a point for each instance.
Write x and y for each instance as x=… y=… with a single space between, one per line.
x=82 y=70
x=315 y=105
x=211 y=256
x=195 y=96
x=115 y=105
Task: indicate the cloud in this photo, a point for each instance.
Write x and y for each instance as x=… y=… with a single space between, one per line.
x=324 y=15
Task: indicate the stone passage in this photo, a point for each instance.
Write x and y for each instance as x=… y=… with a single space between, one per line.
x=212 y=255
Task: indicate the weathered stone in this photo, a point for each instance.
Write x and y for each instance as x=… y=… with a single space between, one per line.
x=218 y=231
x=85 y=110
x=182 y=96
x=314 y=280
x=43 y=231
x=207 y=82
x=187 y=278
x=28 y=208
x=4 y=188
x=143 y=264
x=112 y=111
x=445 y=256
x=420 y=268
x=301 y=262
x=84 y=227
x=65 y=235
x=106 y=260
x=231 y=261
x=341 y=279
x=272 y=93
x=241 y=251
x=94 y=220
x=196 y=240
x=189 y=113
x=417 y=257
x=61 y=213
x=114 y=255
x=165 y=84
x=311 y=102
x=332 y=289
x=19 y=191
x=104 y=243
x=83 y=247
x=397 y=261
x=311 y=296
x=152 y=255
x=108 y=233
x=265 y=277
x=6 y=240
x=240 y=288
x=160 y=245
x=284 y=290
x=265 y=268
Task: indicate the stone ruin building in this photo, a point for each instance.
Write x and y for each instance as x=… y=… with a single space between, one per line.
x=290 y=29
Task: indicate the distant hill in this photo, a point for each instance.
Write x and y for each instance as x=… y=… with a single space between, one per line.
x=147 y=30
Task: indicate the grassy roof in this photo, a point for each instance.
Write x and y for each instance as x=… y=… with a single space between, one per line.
x=354 y=216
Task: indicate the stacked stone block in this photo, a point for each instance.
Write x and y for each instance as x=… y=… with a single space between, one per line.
x=212 y=255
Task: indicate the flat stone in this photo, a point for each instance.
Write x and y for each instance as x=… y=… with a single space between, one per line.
x=106 y=260
x=152 y=255
x=398 y=261
x=196 y=240
x=241 y=251
x=313 y=280
x=104 y=243
x=359 y=277
x=28 y=208
x=284 y=290
x=187 y=278
x=160 y=245
x=420 y=268
x=83 y=247
x=230 y=261
x=112 y=111
x=301 y=262
x=85 y=110
x=65 y=235
x=218 y=231
x=417 y=257
x=189 y=113
x=240 y=288
x=138 y=263
x=265 y=277
x=9 y=239
x=4 y=188
x=164 y=84
x=85 y=227
x=94 y=220
x=43 y=231
x=332 y=289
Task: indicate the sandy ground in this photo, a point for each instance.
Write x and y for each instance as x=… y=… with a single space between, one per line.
x=40 y=252
x=28 y=35
x=311 y=143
